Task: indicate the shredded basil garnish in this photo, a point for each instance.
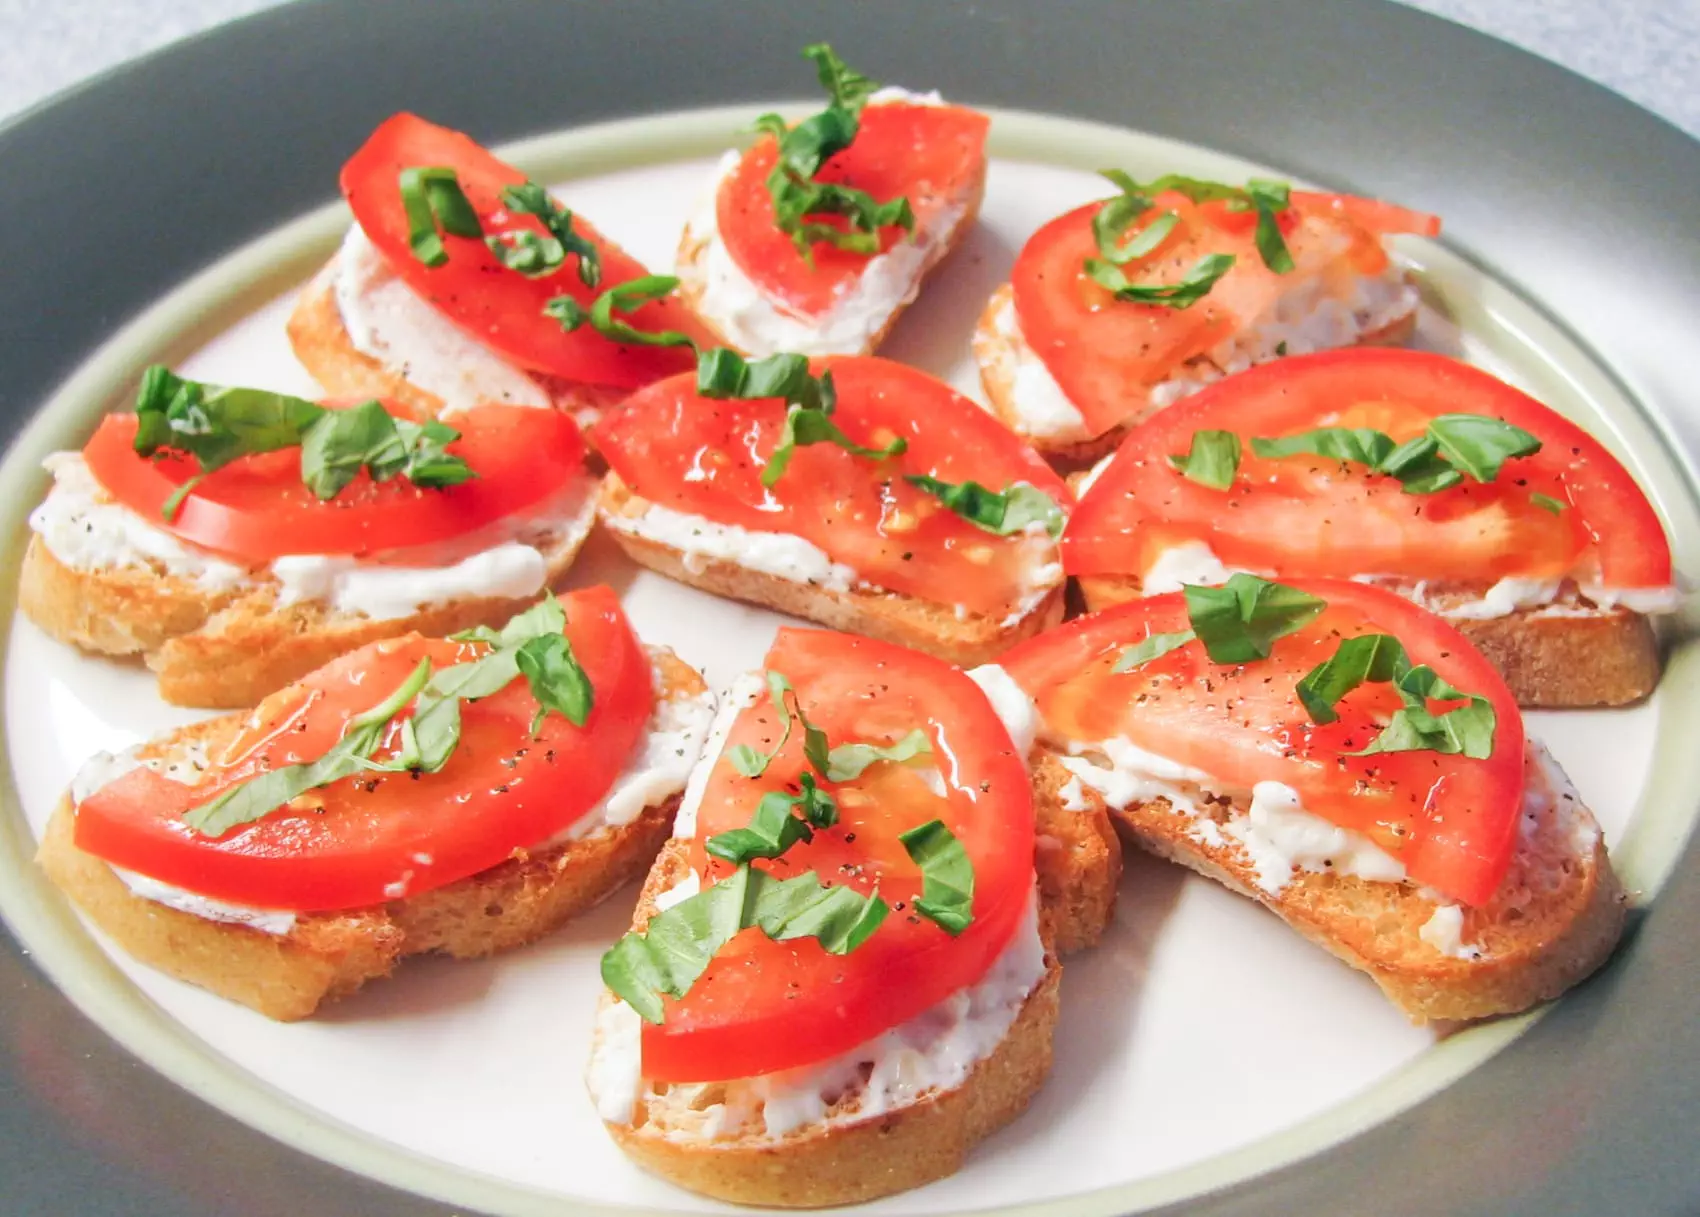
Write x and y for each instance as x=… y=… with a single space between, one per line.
x=1451 y=446
x=432 y=198
x=533 y=254
x=947 y=876
x=1547 y=503
x=847 y=762
x=1381 y=658
x=1185 y=292
x=1151 y=647
x=774 y=828
x=625 y=298
x=1212 y=460
x=1000 y=512
x=1241 y=620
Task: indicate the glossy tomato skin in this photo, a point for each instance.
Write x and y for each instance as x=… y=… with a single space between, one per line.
x=705 y=457
x=931 y=155
x=1452 y=820
x=1106 y=354
x=348 y=845
x=256 y=508
x=764 y=1006
x=1306 y=516
x=500 y=308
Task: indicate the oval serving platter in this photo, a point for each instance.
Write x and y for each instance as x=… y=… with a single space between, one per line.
x=1202 y=1046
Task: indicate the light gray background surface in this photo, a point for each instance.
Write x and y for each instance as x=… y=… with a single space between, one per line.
x=1648 y=50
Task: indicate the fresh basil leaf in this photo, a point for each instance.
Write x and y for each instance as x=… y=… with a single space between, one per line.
x=623 y=297
x=1362 y=445
x=947 y=876
x=725 y=374
x=771 y=831
x=263 y=794
x=1464 y=731
x=337 y=445
x=1270 y=199
x=999 y=512
x=1184 y=293
x=1547 y=503
x=848 y=88
x=1479 y=444
x=526 y=247
x=678 y=944
x=432 y=199
x=556 y=679
x=1149 y=648
x=1241 y=620
x=545 y=617
x=1368 y=657
x=747 y=760
x=804 y=427
x=532 y=254
x=1212 y=460
x=847 y=762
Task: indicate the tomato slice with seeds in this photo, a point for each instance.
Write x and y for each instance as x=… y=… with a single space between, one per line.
x=930 y=155
x=1107 y=353
x=256 y=508
x=1452 y=820
x=501 y=308
x=763 y=1006
x=1305 y=516
x=347 y=845
x=705 y=457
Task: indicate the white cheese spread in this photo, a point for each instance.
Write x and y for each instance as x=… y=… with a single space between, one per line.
x=746 y=690
x=1444 y=931
x=701 y=541
x=387 y=321
x=1011 y=704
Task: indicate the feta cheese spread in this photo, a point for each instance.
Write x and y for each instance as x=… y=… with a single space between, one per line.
x=1444 y=932
x=1011 y=704
x=701 y=541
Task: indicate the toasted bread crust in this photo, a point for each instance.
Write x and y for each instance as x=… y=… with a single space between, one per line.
x=328 y=955
x=693 y=280
x=933 y=629
x=322 y=343
x=997 y=354
x=1078 y=857
x=822 y=1164
x=1554 y=920
x=226 y=650
x=1608 y=657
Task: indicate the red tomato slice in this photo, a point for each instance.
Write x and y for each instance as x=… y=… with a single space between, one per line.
x=503 y=309
x=763 y=1005
x=1106 y=354
x=927 y=154
x=1451 y=820
x=345 y=845
x=256 y=508
x=1305 y=516
x=705 y=457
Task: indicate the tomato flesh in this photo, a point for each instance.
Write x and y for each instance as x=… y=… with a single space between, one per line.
x=1452 y=820
x=1306 y=516
x=346 y=845
x=705 y=457
x=503 y=309
x=1106 y=354
x=927 y=154
x=256 y=508
x=764 y=1006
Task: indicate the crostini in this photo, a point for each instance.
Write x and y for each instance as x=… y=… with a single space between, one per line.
x=1119 y=308
x=843 y=948
x=462 y=282
x=1346 y=758
x=853 y=491
x=461 y=796
x=1411 y=470
x=818 y=236
x=236 y=539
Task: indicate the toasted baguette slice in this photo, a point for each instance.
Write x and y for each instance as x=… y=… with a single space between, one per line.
x=322 y=343
x=1576 y=656
x=1554 y=920
x=1001 y=351
x=844 y=1158
x=329 y=955
x=228 y=647
x=744 y=331
x=921 y=625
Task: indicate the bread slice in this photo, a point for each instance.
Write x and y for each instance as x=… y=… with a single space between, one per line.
x=844 y=1158
x=1555 y=918
x=329 y=955
x=691 y=266
x=228 y=647
x=921 y=625
x=1572 y=654
x=1000 y=351
x=322 y=343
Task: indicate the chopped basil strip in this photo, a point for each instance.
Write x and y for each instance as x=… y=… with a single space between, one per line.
x=848 y=762
x=1150 y=648
x=1269 y=199
x=533 y=254
x=747 y=760
x=1547 y=503
x=1212 y=460
x=1452 y=445
x=622 y=297
x=217 y=425
x=1184 y=293
x=1369 y=657
x=678 y=943
x=1000 y=512
x=947 y=876
x=557 y=680
x=774 y=828
x=804 y=148
x=432 y=198
x=1241 y=620
x=1381 y=658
